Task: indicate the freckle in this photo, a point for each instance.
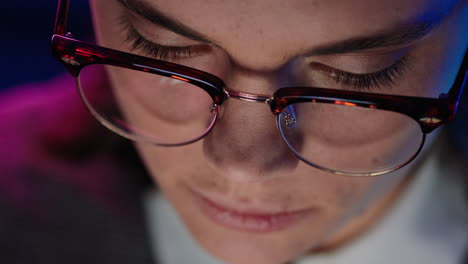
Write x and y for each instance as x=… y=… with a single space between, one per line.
x=397 y=10
x=314 y=198
x=346 y=194
x=375 y=161
x=260 y=32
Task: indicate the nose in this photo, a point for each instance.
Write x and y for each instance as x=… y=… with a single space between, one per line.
x=245 y=145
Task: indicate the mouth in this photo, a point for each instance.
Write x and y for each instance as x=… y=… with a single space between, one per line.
x=248 y=220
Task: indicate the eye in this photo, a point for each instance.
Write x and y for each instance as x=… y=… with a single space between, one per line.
x=379 y=79
x=148 y=48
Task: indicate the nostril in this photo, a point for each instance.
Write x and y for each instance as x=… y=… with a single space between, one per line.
x=249 y=167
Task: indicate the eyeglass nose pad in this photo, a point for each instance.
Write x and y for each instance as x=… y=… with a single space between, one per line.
x=287 y=124
x=214 y=108
x=220 y=109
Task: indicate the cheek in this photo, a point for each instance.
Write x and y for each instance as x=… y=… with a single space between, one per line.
x=167 y=99
x=173 y=165
x=344 y=127
x=335 y=193
x=161 y=109
x=352 y=139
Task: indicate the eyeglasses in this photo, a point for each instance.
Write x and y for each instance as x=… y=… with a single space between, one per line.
x=339 y=131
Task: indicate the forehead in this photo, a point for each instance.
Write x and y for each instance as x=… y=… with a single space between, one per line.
x=281 y=28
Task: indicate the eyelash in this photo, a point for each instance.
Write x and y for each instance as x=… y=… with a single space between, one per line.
x=383 y=78
x=138 y=42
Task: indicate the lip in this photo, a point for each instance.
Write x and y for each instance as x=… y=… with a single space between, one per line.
x=248 y=220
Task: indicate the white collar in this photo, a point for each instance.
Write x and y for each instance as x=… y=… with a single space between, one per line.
x=427 y=225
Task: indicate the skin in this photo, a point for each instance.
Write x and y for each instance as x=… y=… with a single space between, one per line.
x=243 y=163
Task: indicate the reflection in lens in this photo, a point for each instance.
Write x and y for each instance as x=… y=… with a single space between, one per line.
x=349 y=139
x=149 y=107
x=289 y=117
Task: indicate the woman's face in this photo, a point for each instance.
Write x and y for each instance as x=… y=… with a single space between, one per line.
x=240 y=191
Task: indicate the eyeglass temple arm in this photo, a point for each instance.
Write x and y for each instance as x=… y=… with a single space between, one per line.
x=460 y=81
x=61 y=17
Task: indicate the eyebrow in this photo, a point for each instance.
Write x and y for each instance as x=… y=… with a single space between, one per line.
x=401 y=35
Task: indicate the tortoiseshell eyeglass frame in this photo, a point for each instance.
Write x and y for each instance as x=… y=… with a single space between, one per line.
x=429 y=113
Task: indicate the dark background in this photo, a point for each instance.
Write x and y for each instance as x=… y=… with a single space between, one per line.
x=26 y=29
